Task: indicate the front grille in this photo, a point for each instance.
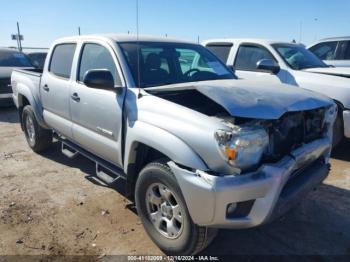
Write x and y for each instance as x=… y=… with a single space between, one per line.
x=295 y=129
x=5 y=87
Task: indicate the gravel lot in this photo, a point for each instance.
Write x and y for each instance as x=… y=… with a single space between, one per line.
x=50 y=204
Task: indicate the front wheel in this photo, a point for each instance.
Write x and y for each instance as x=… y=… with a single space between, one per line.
x=37 y=137
x=163 y=212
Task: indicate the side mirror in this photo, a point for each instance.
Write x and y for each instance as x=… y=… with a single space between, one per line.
x=268 y=65
x=99 y=78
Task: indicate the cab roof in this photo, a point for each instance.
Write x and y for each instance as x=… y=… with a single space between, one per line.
x=123 y=38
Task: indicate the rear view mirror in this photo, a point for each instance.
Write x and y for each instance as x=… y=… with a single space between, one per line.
x=268 y=65
x=99 y=78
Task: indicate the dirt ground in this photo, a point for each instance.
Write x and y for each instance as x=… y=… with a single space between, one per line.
x=50 y=204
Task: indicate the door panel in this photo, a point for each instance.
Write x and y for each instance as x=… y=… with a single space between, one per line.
x=97 y=121
x=55 y=89
x=97 y=113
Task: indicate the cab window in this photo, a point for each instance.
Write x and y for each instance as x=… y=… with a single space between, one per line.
x=325 y=51
x=221 y=50
x=95 y=56
x=249 y=55
x=62 y=59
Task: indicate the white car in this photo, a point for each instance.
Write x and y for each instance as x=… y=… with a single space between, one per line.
x=281 y=62
x=333 y=51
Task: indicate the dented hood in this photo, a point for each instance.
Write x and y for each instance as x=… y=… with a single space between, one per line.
x=260 y=100
x=334 y=71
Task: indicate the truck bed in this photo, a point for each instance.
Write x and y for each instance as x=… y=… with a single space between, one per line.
x=31 y=71
x=24 y=80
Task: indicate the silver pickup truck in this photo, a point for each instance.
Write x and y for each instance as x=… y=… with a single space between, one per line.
x=199 y=149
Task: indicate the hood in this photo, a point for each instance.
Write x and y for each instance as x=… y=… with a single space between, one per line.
x=334 y=71
x=5 y=72
x=242 y=98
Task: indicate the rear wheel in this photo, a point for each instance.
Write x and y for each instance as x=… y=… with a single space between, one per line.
x=163 y=212
x=37 y=137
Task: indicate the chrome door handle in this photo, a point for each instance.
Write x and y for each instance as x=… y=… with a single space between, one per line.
x=75 y=97
x=46 y=88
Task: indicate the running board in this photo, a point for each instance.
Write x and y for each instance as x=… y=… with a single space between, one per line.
x=68 y=151
x=105 y=171
x=107 y=176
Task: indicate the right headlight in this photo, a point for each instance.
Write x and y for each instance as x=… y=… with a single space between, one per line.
x=243 y=147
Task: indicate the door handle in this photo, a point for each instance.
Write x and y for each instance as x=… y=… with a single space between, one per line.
x=46 y=88
x=75 y=97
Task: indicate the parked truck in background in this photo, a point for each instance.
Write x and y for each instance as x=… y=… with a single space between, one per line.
x=199 y=149
x=9 y=60
x=280 y=62
x=334 y=51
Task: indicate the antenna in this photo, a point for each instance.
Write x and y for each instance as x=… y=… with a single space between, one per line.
x=138 y=49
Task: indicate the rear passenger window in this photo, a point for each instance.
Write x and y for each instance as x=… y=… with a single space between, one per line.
x=62 y=59
x=222 y=51
x=95 y=56
x=249 y=55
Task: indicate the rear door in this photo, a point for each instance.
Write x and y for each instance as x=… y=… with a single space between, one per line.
x=97 y=113
x=55 y=88
x=245 y=63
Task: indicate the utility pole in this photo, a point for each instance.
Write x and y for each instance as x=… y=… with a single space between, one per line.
x=197 y=39
x=79 y=30
x=19 y=38
x=316 y=21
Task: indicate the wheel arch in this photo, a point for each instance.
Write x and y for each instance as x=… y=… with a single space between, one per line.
x=146 y=143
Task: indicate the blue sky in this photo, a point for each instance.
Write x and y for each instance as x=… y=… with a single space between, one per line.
x=42 y=21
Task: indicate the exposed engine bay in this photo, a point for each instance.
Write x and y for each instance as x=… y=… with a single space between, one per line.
x=287 y=133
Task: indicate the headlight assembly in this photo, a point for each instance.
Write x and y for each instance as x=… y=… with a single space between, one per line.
x=243 y=147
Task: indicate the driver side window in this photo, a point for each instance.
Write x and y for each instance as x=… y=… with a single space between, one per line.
x=249 y=55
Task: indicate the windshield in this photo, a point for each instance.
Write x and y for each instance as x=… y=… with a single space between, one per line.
x=14 y=59
x=298 y=57
x=171 y=63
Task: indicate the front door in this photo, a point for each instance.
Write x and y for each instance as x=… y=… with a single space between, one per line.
x=97 y=113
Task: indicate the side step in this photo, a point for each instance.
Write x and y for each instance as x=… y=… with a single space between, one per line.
x=105 y=171
x=68 y=151
x=106 y=175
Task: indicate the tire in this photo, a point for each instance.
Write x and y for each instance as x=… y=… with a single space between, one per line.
x=38 y=138
x=338 y=130
x=189 y=238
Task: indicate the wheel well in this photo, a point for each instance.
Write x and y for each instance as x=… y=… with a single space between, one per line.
x=340 y=106
x=23 y=101
x=144 y=155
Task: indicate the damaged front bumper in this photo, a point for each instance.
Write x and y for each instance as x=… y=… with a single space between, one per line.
x=252 y=199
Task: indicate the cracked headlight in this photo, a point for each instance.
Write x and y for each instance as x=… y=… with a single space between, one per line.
x=243 y=147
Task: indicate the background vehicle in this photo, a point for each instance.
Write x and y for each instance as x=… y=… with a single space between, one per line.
x=333 y=51
x=279 y=62
x=180 y=136
x=37 y=59
x=9 y=60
